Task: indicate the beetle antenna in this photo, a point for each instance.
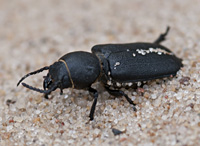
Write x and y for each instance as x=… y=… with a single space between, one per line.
x=40 y=90
x=32 y=73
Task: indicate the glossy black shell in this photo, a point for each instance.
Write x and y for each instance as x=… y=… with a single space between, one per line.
x=135 y=62
x=84 y=68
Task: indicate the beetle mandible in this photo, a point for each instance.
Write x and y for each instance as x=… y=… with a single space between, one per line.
x=115 y=65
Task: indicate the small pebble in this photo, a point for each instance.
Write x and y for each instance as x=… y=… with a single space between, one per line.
x=9 y=101
x=116 y=131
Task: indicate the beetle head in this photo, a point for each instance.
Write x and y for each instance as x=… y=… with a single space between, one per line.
x=59 y=74
x=47 y=82
x=57 y=77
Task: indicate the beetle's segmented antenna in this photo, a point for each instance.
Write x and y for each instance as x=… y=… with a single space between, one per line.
x=40 y=90
x=32 y=73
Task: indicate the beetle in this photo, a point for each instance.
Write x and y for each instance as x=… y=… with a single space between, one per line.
x=115 y=65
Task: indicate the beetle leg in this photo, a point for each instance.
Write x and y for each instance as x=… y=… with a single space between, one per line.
x=162 y=36
x=95 y=95
x=121 y=93
x=46 y=96
x=61 y=91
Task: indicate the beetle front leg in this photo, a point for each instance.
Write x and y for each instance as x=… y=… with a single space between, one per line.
x=95 y=95
x=121 y=93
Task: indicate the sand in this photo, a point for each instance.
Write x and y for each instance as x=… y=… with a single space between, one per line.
x=36 y=33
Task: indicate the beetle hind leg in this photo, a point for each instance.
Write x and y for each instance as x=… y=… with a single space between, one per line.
x=121 y=93
x=162 y=36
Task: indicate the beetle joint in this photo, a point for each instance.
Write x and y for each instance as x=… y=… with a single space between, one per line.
x=70 y=77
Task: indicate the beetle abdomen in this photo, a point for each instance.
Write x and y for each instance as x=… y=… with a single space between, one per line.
x=138 y=61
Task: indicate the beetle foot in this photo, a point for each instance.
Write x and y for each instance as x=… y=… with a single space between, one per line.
x=46 y=96
x=61 y=92
x=134 y=108
x=91 y=118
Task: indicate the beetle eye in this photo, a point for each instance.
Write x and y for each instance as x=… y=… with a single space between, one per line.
x=47 y=82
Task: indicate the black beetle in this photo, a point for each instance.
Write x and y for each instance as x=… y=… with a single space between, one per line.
x=115 y=65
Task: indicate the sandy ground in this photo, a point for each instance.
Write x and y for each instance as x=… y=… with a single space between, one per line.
x=36 y=33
